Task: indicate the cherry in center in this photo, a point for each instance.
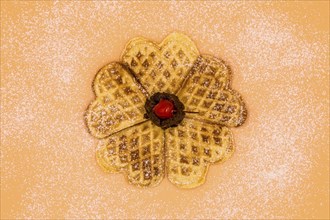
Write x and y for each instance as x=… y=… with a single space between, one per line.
x=164 y=109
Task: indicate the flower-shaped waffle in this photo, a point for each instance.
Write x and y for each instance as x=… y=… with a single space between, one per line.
x=164 y=108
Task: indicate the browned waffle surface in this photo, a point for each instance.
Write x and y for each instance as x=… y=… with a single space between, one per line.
x=208 y=92
x=134 y=145
x=137 y=151
x=163 y=67
x=191 y=147
x=119 y=101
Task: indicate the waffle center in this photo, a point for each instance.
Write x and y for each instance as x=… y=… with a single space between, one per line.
x=164 y=110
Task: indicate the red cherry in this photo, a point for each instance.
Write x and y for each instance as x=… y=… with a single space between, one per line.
x=164 y=109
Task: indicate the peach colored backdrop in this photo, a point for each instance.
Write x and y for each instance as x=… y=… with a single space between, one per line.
x=279 y=53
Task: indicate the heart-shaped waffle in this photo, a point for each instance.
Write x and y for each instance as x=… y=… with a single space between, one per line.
x=119 y=102
x=161 y=67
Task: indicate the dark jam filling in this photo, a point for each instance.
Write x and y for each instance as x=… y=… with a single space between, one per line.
x=177 y=114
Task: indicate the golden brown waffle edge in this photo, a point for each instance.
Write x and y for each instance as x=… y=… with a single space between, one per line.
x=137 y=152
x=161 y=67
x=192 y=147
x=104 y=115
x=208 y=91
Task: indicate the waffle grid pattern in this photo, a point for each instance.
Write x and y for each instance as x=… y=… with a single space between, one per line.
x=161 y=68
x=207 y=92
x=133 y=144
x=191 y=147
x=105 y=115
x=138 y=150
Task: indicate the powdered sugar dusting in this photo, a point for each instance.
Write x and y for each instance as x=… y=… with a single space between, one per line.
x=50 y=53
